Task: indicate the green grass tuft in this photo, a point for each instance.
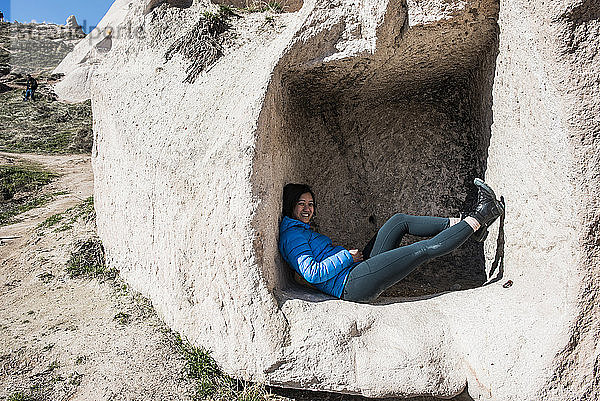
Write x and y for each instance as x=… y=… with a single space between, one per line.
x=83 y=211
x=19 y=397
x=9 y=211
x=274 y=7
x=15 y=179
x=211 y=382
x=20 y=187
x=88 y=260
x=53 y=366
x=75 y=379
x=122 y=318
x=227 y=10
x=51 y=221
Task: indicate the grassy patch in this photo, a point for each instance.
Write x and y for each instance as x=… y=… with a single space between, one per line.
x=10 y=210
x=19 y=397
x=211 y=382
x=51 y=221
x=46 y=277
x=75 y=379
x=44 y=126
x=16 y=179
x=20 y=187
x=88 y=260
x=53 y=366
x=84 y=210
x=64 y=221
x=64 y=227
x=35 y=47
x=122 y=318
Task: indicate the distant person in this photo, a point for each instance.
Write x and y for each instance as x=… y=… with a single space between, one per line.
x=31 y=87
x=1 y=17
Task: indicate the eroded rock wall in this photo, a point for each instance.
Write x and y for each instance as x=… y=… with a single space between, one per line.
x=169 y=172
x=404 y=103
x=543 y=157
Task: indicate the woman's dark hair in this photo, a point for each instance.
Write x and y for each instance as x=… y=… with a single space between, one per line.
x=291 y=196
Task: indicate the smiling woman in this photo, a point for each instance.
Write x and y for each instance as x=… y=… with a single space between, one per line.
x=305 y=208
x=297 y=198
x=362 y=276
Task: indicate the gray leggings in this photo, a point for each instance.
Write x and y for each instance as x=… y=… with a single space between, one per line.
x=388 y=264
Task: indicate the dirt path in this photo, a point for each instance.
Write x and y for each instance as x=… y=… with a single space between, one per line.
x=76 y=181
x=65 y=338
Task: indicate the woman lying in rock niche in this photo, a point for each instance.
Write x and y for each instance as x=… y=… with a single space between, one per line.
x=362 y=276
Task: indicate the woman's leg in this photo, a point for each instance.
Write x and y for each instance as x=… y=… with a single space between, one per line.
x=390 y=234
x=373 y=276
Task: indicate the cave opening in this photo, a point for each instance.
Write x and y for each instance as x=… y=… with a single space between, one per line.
x=405 y=129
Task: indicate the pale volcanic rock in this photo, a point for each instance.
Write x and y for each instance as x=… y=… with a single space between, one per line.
x=72 y=24
x=382 y=107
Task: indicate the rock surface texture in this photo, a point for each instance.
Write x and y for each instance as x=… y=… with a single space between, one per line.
x=72 y=24
x=382 y=106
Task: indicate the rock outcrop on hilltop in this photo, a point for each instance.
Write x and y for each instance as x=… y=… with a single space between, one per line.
x=382 y=106
x=72 y=24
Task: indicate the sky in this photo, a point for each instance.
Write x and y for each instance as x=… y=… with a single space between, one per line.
x=87 y=12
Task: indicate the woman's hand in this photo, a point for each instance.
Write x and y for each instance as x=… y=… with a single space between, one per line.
x=357 y=255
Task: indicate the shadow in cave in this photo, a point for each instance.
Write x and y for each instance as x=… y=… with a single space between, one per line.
x=304 y=395
x=498 y=263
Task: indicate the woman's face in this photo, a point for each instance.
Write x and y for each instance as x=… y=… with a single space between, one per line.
x=305 y=208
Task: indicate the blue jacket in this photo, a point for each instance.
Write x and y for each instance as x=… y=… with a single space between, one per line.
x=314 y=257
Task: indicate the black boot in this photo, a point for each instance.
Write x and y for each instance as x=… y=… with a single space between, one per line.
x=487 y=210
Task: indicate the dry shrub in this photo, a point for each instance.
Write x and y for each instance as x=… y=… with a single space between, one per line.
x=203 y=45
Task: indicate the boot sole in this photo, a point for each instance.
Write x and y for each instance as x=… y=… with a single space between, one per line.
x=480 y=183
x=483 y=236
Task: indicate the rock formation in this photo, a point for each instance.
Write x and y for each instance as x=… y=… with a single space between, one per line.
x=72 y=24
x=381 y=106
